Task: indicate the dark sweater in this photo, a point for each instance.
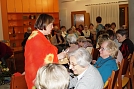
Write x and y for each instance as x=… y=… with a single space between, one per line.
x=127 y=48
x=5 y=50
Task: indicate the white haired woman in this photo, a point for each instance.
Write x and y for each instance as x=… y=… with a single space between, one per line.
x=88 y=75
x=52 y=76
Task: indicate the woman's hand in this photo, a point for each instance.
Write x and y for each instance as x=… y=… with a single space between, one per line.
x=62 y=54
x=93 y=61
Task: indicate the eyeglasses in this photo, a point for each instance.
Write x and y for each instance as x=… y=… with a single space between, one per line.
x=102 y=49
x=72 y=66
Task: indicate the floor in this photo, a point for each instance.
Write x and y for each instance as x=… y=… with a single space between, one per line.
x=6 y=86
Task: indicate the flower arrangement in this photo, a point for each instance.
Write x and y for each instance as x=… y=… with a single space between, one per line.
x=4 y=72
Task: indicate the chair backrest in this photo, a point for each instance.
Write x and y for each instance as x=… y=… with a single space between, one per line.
x=124 y=69
x=95 y=53
x=112 y=80
x=131 y=72
x=18 y=82
x=125 y=64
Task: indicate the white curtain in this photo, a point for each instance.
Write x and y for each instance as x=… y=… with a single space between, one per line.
x=108 y=11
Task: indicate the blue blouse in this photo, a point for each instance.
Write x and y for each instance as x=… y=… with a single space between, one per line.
x=105 y=67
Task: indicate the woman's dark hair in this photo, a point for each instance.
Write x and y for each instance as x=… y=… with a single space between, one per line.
x=110 y=33
x=69 y=30
x=100 y=32
x=98 y=19
x=59 y=31
x=81 y=26
x=113 y=24
x=107 y=25
x=122 y=32
x=62 y=27
x=42 y=21
x=91 y=24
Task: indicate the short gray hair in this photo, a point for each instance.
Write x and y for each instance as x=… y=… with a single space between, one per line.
x=82 y=56
x=71 y=39
x=52 y=76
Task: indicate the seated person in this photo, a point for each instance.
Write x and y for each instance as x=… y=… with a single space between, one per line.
x=113 y=37
x=86 y=32
x=52 y=76
x=63 y=30
x=72 y=40
x=127 y=46
x=59 y=41
x=5 y=53
x=107 y=26
x=105 y=37
x=75 y=31
x=86 y=43
x=88 y=76
x=106 y=63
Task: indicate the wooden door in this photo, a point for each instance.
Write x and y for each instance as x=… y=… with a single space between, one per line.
x=25 y=6
x=45 y=5
x=18 y=5
x=39 y=5
x=50 y=5
x=32 y=5
x=123 y=14
x=77 y=18
x=87 y=19
x=10 y=6
x=56 y=5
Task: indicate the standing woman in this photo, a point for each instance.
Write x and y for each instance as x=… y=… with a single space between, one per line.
x=38 y=50
x=127 y=46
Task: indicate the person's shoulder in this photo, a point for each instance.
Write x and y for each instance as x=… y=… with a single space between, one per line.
x=112 y=60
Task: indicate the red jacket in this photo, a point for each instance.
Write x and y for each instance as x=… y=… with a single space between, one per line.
x=38 y=52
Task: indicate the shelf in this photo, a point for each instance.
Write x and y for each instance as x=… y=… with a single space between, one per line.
x=16 y=33
x=18 y=24
x=11 y=26
x=15 y=20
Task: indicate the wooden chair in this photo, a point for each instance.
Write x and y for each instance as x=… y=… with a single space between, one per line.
x=130 y=69
x=18 y=82
x=95 y=53
x=112 y=80
x=124 y=70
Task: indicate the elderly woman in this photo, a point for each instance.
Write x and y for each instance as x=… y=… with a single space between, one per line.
x=127 y=46
x=86 y=32
x=52 y=76
x=75 y=31
x=59 y=41
x=105 y=37
x=88 y=75
x=72 y=40
x=86 y=43
x=106 y=62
